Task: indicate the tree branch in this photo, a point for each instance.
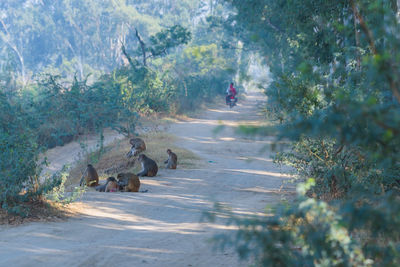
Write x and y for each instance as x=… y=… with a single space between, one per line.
x=364 y=27
x=368 y=33
x=130 y=60
x=142 y=45
x=273 y=26
x=357 y=36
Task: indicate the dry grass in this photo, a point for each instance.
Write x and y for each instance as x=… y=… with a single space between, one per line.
x=113 y=160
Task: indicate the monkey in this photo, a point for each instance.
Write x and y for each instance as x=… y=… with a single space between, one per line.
x=112 y=185
x=149 y=166
x=90 y=177
x=102 y=188
x=138 y=146
x=128 y=182
x=172 y=160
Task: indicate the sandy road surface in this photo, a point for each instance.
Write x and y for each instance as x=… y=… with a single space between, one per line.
x=70 y=153
x=161 y=227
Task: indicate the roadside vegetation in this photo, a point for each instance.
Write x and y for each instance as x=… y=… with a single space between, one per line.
x=335 y=93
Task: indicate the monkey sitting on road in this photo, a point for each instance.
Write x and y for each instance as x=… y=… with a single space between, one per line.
x=112 y=185
x=149 y=166
x=90 y=177
x=102 y=188
x=128 y=182
x=172 y=160
x=138 y=146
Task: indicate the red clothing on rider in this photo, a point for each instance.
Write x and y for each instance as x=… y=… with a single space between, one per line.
x=232 y=90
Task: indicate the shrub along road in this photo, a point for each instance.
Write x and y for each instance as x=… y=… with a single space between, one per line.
x=163 y=227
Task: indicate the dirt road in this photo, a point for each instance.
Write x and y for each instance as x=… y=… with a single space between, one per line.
x=161 y=227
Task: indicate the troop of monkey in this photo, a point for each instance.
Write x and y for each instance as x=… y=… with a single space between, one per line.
x=128 y=182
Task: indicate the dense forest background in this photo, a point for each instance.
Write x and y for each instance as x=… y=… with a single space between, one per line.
x=72 y=67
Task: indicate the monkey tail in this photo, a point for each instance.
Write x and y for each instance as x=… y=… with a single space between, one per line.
x=82 y=180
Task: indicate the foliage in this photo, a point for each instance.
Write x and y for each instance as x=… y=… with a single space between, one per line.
x=169 y=38
x=309 y=232
x=335 y=93
x=335 y=170
x=19 y=164
x=141 y=89
x=332 y=84
x=58 y=193
x=63 y=111
x=19 y=148
x=209 y=73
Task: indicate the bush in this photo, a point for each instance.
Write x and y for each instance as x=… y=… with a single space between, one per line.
x=19 y=164
x=309 y=232
x=57 y=193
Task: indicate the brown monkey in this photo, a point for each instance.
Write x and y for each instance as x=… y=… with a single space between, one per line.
x=112 y=185
x=102 y=188
x=149 y=166
x=90 y=177
x=128 y=182
x=138 y=146
x=172 y=160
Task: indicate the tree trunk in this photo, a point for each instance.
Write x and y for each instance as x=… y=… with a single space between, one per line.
x=357 y=36
x=7 y=39
x=143 y=47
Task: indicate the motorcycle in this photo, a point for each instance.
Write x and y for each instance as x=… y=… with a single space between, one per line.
x=232 y=101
